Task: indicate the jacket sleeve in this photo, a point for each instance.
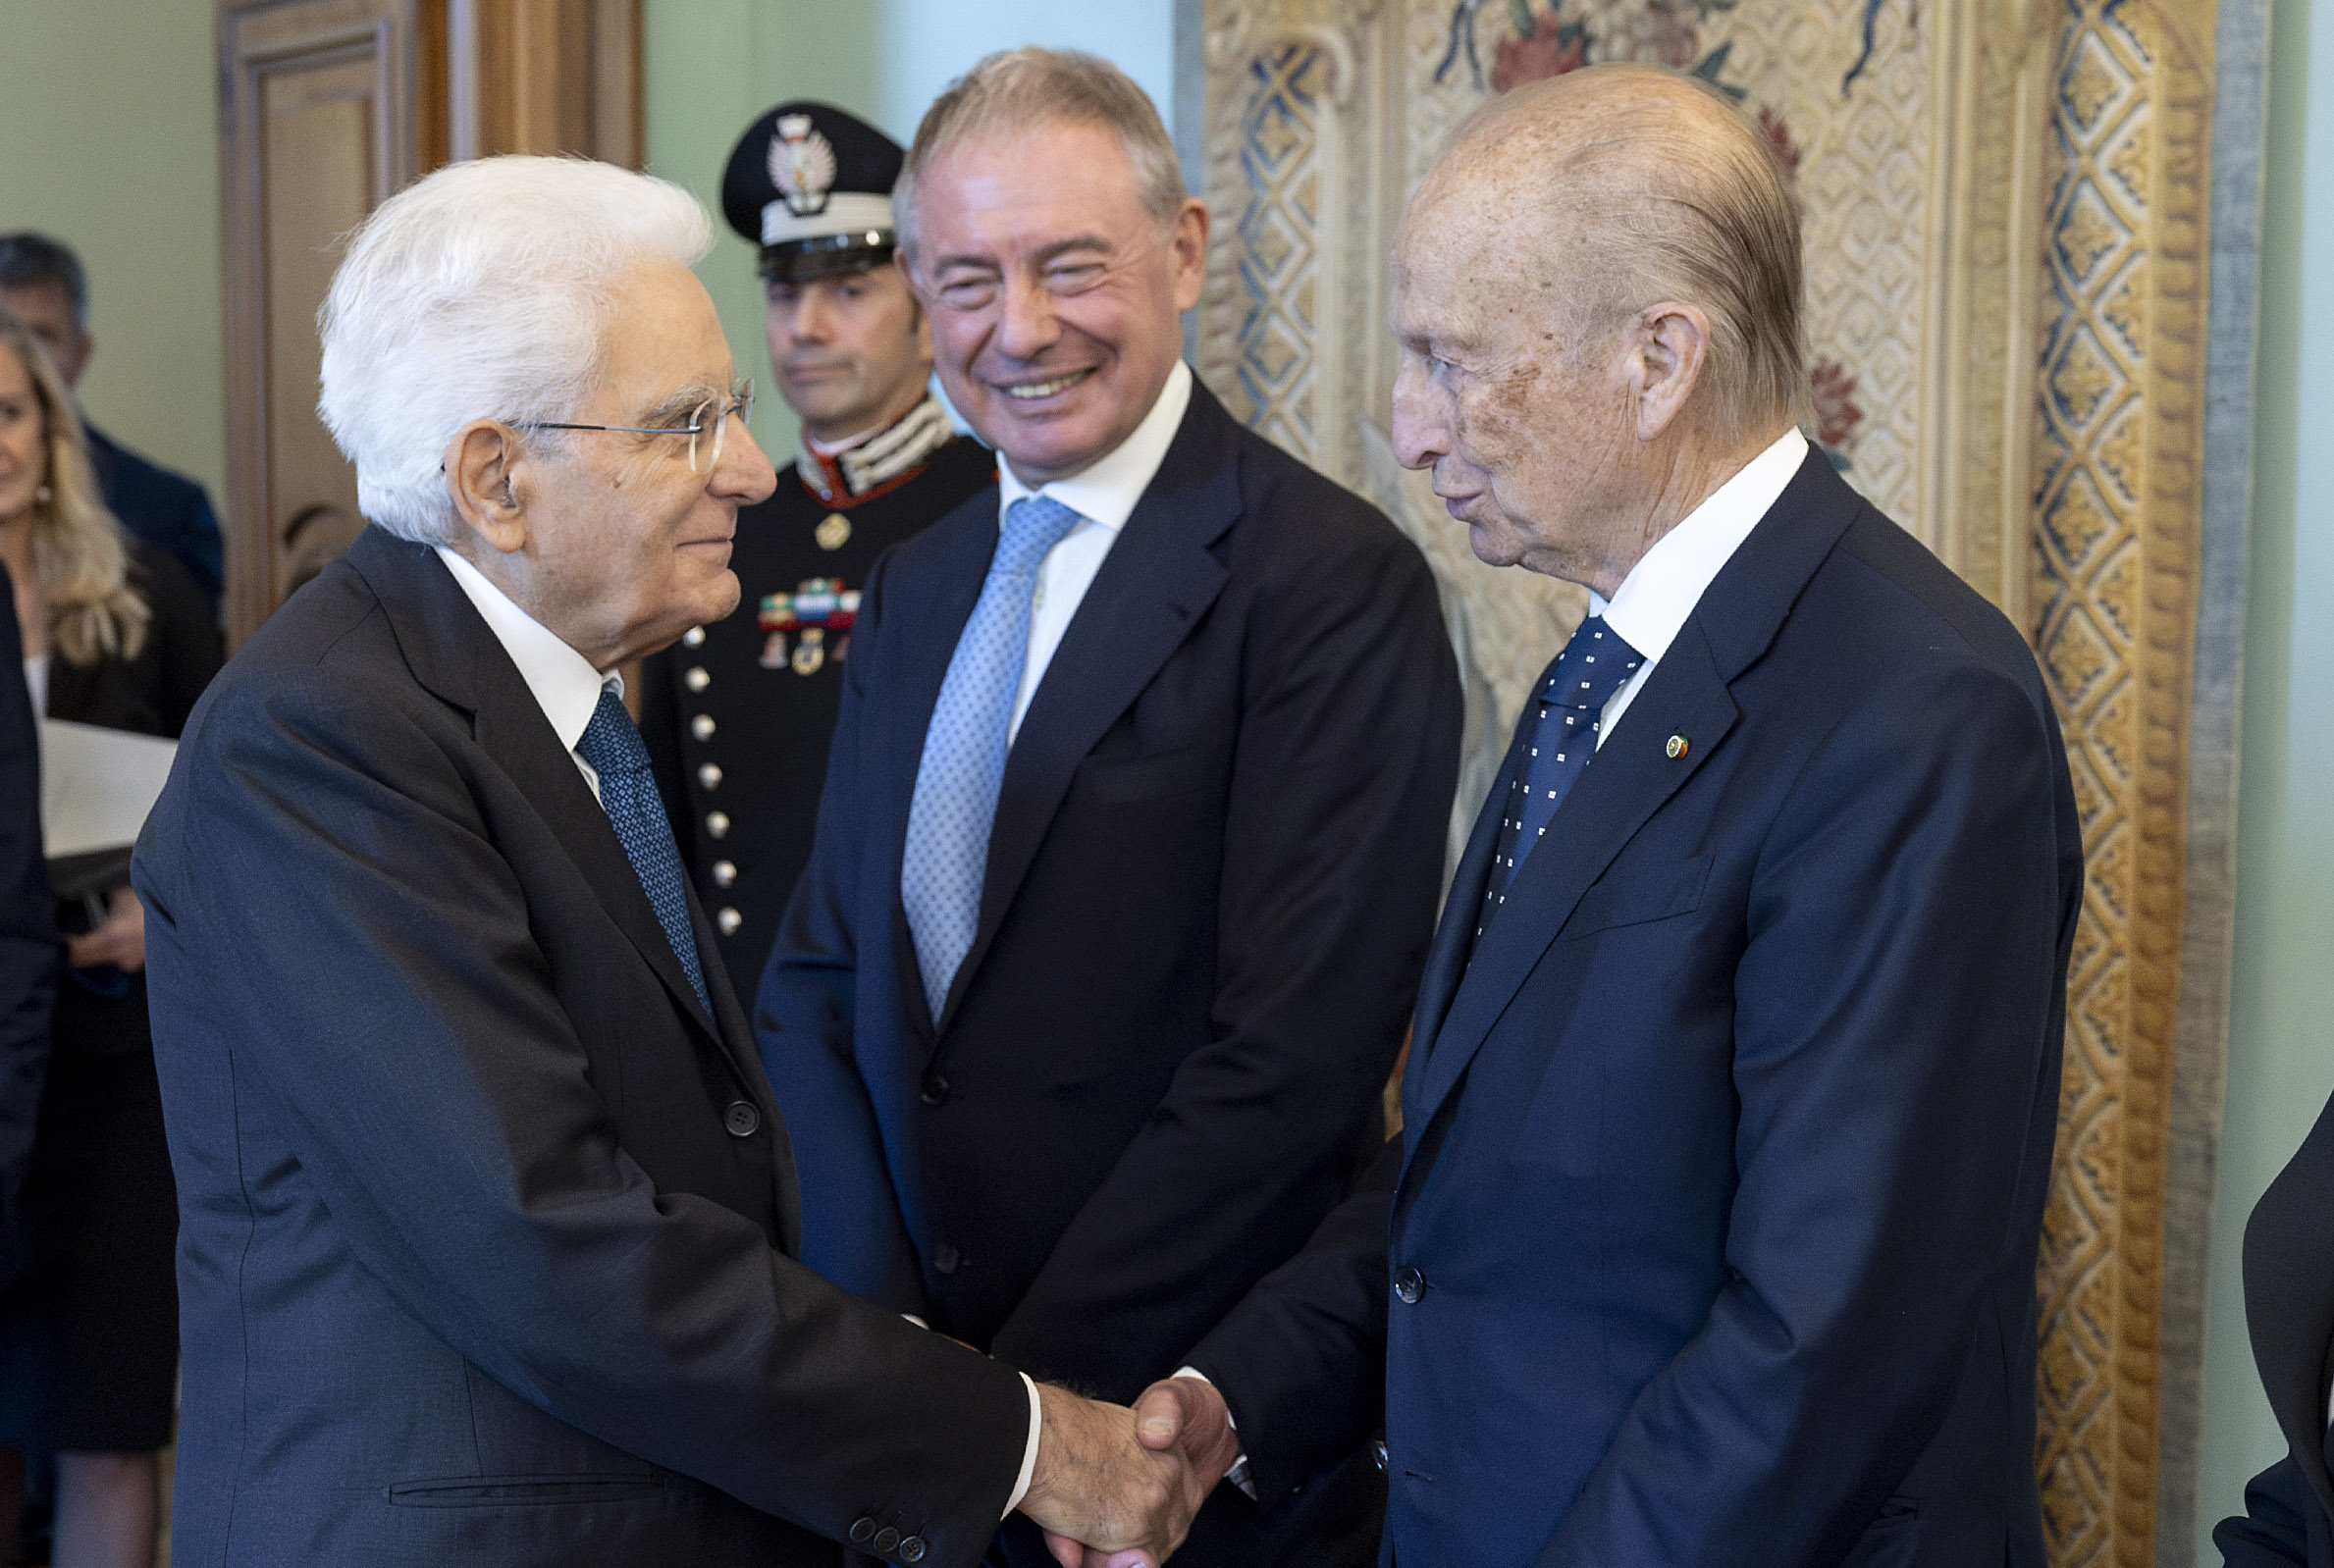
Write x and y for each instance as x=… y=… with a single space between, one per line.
x=1897 y=1013
x=1331 y=863
x=27 y=939
x=2272 y=1532
x=803 y=1014
x=328 y=890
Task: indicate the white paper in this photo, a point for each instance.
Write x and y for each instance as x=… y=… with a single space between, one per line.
x=97 y=785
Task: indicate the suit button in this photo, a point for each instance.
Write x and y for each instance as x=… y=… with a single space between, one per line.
x=694 y=637
x=729 y=921
x=741 y=1119
x=709 y=775
x=716 y=823
x=935 y=1089
x=702 y=726
x=912 y=1548
x=862 y=1531
x=887 y=1538
x=1410 y=1284
x=947 y=1259
x=725 y=872
x=695 y=679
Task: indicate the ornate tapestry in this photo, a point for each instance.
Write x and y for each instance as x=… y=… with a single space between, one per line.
x=2011 y=310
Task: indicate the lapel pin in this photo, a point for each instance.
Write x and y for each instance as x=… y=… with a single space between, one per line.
x=1677 y=746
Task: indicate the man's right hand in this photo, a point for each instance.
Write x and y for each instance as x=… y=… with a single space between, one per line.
x=1100 y=1492
x=1183 y=1419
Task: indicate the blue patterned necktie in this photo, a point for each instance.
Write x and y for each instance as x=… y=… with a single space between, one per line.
x=964 y=750
x=628 y=791
x=1595 y=664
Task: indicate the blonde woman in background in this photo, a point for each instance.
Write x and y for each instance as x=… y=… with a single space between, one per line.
x=116 y=633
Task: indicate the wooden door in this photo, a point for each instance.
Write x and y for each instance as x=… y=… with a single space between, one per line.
x=327 y=107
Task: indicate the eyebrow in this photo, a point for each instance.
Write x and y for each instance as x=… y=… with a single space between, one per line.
x=1046 y=254
x=681 y=402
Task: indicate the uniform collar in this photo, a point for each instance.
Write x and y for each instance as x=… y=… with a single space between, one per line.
x=1105 y=491
x=563 y=682
x=1653 y=601
x=853 y=469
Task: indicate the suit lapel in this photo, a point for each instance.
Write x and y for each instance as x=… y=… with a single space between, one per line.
x=1631 y=777
x=1158 y=579
x=2288 y=1301
x=1463 y=905
x=453 y=653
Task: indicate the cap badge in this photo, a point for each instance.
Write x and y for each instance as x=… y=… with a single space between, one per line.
x=800 y=164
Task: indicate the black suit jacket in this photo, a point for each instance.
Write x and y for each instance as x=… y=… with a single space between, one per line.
x=2289 y=1306
x=1710 y=1238
x=168 y=511
x=488 y=1230
x=1208 y=894
x=27 y=939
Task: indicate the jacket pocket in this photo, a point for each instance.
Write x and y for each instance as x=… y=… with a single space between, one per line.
x=1636 y=894
x=1122 y=779
x=519 y=1492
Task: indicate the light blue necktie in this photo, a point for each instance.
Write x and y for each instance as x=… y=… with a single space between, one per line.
x=964 y=750
x=628 y=791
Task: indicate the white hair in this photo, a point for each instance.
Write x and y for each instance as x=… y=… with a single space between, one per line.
x=481 y=292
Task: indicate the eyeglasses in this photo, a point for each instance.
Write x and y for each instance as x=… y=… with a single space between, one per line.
x=714 y=414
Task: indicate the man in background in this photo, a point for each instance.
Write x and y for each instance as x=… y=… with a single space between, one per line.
x=43 y=285
x=737 y=714
x=1132 y=832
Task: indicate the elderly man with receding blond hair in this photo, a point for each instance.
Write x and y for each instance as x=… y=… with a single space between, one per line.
x=1710 y=1239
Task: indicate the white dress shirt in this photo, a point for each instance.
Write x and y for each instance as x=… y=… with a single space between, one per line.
x=567 y=689
x=1105 y=495
x=1652 y=603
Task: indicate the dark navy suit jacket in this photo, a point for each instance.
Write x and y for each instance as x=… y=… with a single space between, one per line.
x=1712 y=1228
x=2289 y=1307
x=488 y=1227
x=168 y=511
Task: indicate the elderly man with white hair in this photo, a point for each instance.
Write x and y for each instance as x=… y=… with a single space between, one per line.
x=489 y=1220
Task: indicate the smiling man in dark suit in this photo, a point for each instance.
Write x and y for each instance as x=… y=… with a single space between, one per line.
x=1132 y=837
x=490 y=1232
x=1710 y=1236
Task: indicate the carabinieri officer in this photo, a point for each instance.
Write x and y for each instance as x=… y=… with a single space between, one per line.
x=737 y=714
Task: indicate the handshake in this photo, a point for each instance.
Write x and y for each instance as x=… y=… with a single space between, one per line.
x=1113 y=1487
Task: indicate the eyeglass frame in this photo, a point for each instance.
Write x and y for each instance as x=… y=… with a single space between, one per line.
x=738 y=401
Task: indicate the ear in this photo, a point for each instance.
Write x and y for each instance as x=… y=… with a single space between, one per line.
x=907 y=268
x=1668 y=346
x=1189 y=242
x=483 y=476
x=81 y=356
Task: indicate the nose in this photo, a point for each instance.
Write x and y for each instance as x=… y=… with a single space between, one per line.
x=744 y=474
x=812 y=322
x=1421 y=417
x=1025 y=325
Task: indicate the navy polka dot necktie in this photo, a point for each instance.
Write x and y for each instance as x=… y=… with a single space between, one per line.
x=628 y=791
x=1594 y=665
x=955 y=805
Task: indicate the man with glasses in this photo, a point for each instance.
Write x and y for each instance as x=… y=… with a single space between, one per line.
x=738 y=714
x=491 y=1231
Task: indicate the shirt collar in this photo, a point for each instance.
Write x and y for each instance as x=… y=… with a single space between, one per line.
x=1652 y=603
x=565 y=685
x=1105 y=491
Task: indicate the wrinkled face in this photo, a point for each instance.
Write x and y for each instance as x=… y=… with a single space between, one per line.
x=629 y=547
x=1054 y=296
x=1528 y=440
x=48 y=314
x=24 y=438
x=849 y=352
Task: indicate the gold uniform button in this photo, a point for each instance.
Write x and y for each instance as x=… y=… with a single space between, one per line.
x=718 y=823
x=702 y=726
x=710 y=776
x=724 y=874
x=696 y=679
x=694 y=637
x=1677 y=746
x=834 y=533
x=729 y=921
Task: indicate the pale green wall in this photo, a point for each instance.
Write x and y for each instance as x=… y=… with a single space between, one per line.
x=2281 y=1037
x=714 y=65
x=109 y=140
